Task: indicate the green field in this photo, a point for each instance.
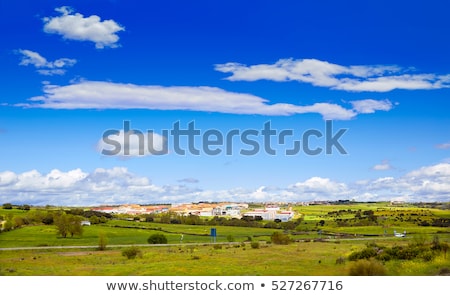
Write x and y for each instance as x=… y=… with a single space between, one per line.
x=321 y=245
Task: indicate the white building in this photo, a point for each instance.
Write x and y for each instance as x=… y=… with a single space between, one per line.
x=271 y=214
x=284 y=216
x=264 y=214
x=233 y=210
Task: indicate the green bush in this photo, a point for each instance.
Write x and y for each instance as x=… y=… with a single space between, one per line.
x=340 y=260
x=157 y=238
x=132 y=252
x=280 y=238
x=366 y=267
x=427 y=256
x=366 y=253
x=230 y=238
x=254 y=245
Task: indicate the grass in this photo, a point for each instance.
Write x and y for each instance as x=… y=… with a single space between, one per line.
x=125 y=232
x=300 y=258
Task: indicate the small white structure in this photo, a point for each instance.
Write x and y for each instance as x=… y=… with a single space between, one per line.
x=85 y=223
x=284 y=216
x=396 y=234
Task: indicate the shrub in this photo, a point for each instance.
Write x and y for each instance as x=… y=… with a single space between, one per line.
x=254 y=245
x=366 y=253
x=340 y=260
x=157 y=238
x=427 y=255
x=132 y=252
x=230 y=238
x=102 y=241
x=280 y=238
x=47 y=220
x=366 y=267
x=444 y=271
x=384 y=256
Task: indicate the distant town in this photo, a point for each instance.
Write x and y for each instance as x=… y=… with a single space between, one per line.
x=280 y=211
x=272 y=211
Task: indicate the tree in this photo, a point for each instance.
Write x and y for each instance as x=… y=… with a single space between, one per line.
x=7 y=206
x=8 y=225
x=94 y=220
x=102 y=241
x=157 y=238
x=48 y=219
x=61 y=223
x=68 y=224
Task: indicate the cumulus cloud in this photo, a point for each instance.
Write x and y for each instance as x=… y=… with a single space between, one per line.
x=75 y=26
x=109 y=95
x=117 y=186
x=73 y=187
x=383 y=166
x=320 y=188
x=374 y=78
x=429 y=183
x=43 y=66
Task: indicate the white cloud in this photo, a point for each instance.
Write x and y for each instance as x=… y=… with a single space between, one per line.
x=438 y=170
x=375 y=78
x=384 y=166
x=74 y=187
x=44 y=66
x=7 y=178
x=320 y=188
x=370 y=106
x=109 y=95
x=117 y=185
x=75 y=26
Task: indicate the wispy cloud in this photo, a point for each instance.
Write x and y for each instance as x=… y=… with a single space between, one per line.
x=443 y=146
x=75 y=26
x=118 y=185
x=109 y=95
x=374 y=78
x=188 y=180
x=383 y=166
x=43 y=66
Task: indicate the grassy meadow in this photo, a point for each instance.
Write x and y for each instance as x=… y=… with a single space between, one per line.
x=321 y=245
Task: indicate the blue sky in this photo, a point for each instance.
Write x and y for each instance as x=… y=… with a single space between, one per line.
x=72 y=70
